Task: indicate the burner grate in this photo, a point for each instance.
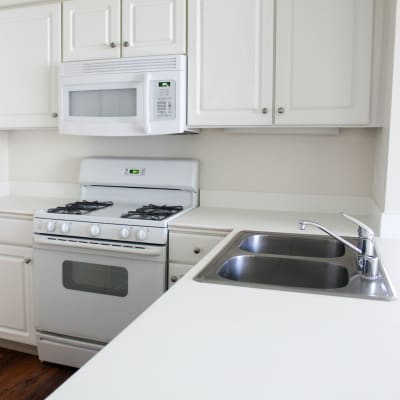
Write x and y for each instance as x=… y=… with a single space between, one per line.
x=152 y=212
x=80 y=207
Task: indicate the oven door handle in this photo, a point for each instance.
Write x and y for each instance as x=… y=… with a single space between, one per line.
x=143 y=251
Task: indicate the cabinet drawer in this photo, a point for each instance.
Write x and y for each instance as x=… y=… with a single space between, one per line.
x=16 y=231
x=189 y=248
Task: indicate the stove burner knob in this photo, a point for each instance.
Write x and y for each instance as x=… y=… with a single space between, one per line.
x=141 y=235
x=65 y=227
x=124 y=233
x=94 y=230
x=51 y=226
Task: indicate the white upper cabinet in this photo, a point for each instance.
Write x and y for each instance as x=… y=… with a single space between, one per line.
x=91 y=29
x=153 y=27
x=30 y=41
x=230 y=50
x=318 y=74
x=100 y=29
x=323 y=62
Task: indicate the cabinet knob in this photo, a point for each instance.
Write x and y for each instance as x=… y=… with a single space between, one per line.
x=113 y=44
x=281 y=110
x=28 y=260
x=264 y=110
x=196 y=250
x=54 y=115
x=174 y=278
x=126 y=43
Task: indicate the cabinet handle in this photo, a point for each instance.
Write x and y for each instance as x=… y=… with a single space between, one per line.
x=54 y=115
x=113 y=44
x=126 y=43
x=264 y=110
x=196 y=250
x=28 y=260
x=281 y=110
x=174 y=278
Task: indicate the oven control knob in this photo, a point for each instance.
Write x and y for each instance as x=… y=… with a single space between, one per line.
x=51 y=226
x=94 y=230
x=141 y=234
x=124 y=233
x=65 y=227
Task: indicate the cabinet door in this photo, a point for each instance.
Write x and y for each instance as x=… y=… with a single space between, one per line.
x=153 y=27
x=91 y=29
x=323 y=62
x=16 y=298
x=230 y=50
x=30 y=41
x=176 y=271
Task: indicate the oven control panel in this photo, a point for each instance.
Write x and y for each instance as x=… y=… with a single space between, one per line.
x=116 y=232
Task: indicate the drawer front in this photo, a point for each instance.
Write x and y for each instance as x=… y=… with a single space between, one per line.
x=16 y=231
x=176 y=271
x=188 y=248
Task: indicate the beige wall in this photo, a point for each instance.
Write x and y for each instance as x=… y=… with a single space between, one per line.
x=3 y=157
x=383 y=135
x=339 y=165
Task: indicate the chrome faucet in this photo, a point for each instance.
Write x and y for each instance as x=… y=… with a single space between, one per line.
x=367 y=261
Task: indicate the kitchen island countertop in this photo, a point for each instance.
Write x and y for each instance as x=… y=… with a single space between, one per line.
x=206 y=341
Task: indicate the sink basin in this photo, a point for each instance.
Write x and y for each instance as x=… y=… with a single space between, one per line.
x=284 y=272
x=293 y=246
x=293 y=262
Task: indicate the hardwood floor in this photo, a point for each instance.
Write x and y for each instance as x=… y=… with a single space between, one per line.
x=24 y=377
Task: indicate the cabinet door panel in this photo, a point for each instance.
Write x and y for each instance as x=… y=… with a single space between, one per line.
x=16 y=298
x=230 y=62
x=30 y=38
x=153 y=27
x=323 y=61
x=90 y=28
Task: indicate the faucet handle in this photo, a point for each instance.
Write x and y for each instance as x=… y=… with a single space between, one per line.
x=364 y=231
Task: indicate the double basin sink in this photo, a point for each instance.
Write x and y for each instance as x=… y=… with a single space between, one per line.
x=297 y=262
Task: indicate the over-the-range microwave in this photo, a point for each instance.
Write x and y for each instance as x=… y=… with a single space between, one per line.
x=124 y=97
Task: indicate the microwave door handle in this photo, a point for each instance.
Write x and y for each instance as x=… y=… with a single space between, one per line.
x=146 y=101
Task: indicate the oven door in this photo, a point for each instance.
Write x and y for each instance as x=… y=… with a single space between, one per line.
x=105 y=105
x=92 y=293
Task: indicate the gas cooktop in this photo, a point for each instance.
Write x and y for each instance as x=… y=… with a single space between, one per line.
x=80 y=207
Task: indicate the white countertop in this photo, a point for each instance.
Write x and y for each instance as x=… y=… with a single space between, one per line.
x=205 y=341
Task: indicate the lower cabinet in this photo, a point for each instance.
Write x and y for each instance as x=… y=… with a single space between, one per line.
x=16 y=294
x=187 y=248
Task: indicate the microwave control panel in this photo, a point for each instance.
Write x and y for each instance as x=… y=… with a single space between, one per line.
x=164 y=100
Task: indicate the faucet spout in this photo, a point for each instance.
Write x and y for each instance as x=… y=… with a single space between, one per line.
x=367 y=261
x=303 y=224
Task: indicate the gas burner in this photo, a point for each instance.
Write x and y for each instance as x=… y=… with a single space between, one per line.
x=152 y=212
x=80 y=207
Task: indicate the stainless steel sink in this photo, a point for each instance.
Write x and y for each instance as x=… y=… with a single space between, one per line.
x=284 y=272
x=306 y=263
x=312 y=246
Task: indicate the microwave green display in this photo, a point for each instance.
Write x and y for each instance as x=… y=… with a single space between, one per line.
x=164 y=84
x=134 y=171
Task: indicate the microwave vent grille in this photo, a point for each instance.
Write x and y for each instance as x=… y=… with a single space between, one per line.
x=119 y=66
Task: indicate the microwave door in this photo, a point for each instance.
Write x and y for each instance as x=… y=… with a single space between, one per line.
x=101 y=108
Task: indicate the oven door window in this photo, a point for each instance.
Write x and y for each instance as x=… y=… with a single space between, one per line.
x=95 y=278
x=103 y=103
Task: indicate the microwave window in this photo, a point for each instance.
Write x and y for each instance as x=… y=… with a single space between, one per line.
x=95 y=278
x=103 y=103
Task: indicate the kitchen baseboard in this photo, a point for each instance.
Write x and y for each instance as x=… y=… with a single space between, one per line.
x=23 y=348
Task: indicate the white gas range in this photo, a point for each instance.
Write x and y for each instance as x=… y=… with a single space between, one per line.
x=101 y=261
